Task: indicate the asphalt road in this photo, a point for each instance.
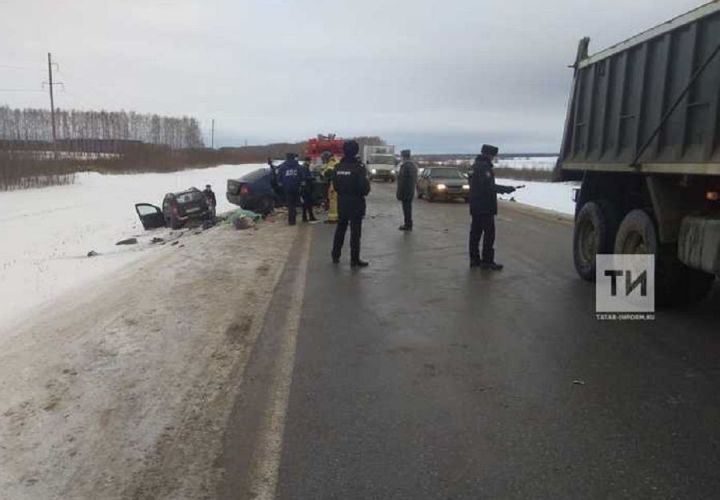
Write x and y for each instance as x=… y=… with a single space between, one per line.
x=421 y=378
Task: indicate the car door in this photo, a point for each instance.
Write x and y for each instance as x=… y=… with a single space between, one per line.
x=150 y=215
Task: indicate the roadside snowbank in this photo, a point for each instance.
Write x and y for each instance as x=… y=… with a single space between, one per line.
x=48 y=232
x=124 y=391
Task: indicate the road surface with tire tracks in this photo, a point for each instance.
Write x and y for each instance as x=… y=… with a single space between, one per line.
x=421 y=378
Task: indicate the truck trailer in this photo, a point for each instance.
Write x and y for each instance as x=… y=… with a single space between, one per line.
x=642 y=134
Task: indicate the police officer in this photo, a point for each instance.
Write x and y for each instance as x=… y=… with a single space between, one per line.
x=307 y=192
x=352 y=185
x=211 y=199
x=290 y=177
x=406 y=181
x=483 y=208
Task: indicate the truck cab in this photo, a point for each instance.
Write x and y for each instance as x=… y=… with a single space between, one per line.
x=380 y=162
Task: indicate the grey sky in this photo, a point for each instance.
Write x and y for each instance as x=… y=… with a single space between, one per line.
x=438 y=76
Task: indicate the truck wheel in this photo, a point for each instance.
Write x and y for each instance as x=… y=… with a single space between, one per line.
x=675 y=283
x=595 y=228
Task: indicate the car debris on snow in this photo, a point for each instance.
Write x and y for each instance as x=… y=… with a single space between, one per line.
x=128 y=241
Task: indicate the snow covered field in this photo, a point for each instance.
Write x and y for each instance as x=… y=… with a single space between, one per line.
x=48 y=232
x=521 y=162
x=555 y=196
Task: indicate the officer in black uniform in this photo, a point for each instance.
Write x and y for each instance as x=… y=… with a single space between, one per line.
x=406 y=184
x=352 y=185
x=211 y=199
x=307 y=192
x=483 y=208
x=291 y=176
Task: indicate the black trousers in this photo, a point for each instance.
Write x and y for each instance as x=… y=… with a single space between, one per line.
x=355 y=234
x=307 y=206
x=407 y=212
x=482 y=227
x=293 y=200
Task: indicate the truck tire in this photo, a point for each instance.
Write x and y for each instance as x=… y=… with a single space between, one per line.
x=595 y=228
x=675 y=283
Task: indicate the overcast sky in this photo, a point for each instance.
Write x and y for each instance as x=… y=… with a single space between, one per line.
x=437 y=76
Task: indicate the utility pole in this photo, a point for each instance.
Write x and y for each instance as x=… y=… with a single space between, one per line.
x=51 y=84
x=52 y=100
x=212 y=135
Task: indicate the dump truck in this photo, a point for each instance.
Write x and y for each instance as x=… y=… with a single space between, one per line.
x=380 y=162
x=642 y=135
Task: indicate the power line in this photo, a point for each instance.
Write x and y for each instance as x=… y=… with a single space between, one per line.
x=21 y=90
x=12 y=66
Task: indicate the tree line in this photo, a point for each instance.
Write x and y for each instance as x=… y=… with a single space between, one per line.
x=36 y=125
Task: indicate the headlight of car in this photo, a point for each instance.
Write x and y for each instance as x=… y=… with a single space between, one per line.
x=466 y=187
x=441 y=187
x=373 y=171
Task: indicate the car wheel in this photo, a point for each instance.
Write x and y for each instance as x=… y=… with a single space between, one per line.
x=675 y=283
x=595 y=228
x=266 y=205
x=175 y=223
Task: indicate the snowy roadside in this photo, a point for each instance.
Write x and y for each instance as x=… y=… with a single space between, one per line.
x=122 y=391
x=48 y=232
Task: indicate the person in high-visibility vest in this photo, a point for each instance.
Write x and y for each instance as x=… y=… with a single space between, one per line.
x=329 y=172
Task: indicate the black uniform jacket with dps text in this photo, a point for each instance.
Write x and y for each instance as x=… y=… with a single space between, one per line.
x=352 y=185
x=483 y=190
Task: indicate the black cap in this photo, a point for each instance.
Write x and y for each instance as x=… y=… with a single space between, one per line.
x=351 y=148
x=289 y=156
x=489 y=150
x=405 y=153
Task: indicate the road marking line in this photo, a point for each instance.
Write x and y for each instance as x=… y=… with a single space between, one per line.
x=265 y=465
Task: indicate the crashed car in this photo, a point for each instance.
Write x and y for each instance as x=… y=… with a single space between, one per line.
x=443 y=183
x=258 y=191
x=178 y=209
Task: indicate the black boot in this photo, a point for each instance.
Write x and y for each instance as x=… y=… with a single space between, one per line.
x=405 y=228
x=359 y=263
x=492 y=266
